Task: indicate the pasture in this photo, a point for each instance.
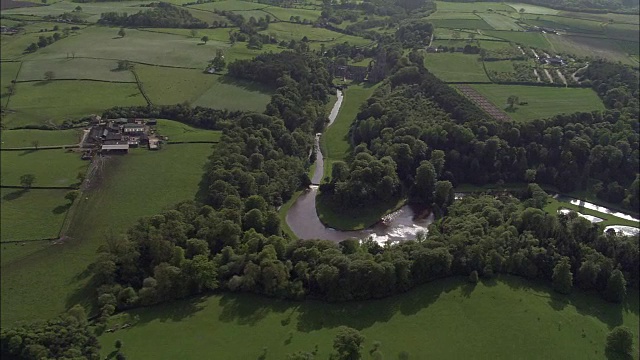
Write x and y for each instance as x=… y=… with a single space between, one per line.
x=533 y=9
x=53 y=167
x=532 y=39
x=233 y=94
x=57 y=274
x=25 y=138
x=177 y=131
x=169 y=86
x=460 y=7
x=90 y=11
x=456 y=67
x=500 y=21
x=494 y=45
x=499 y=66
x=531 y=319
x=284 y=14
x=75 y=69
x=31 y=214
x=289 y=31
x=53 y=102
x=462 y=24
x=542 y=101
x=335 y=140
x=231 y=5
x=589 y=47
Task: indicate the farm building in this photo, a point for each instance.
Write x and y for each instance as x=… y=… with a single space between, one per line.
x=133 y=128
x=115 y=148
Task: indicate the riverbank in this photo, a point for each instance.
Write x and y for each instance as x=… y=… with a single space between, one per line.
x=357 y=219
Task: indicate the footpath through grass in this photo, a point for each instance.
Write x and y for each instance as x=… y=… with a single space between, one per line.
x=48 y=280
x=446 y=319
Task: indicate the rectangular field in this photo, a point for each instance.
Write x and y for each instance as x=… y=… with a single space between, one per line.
x=284 y=14
x=54 y=167
x=589 y=46
x=169 y=86
x=471 y=6
x=533 y=9
x=494 y=45
x=456 y=67
x=55 y=101
x=500 y=22
x=177 y=131
x=440 y=15
x=232 y=94
x=532 y=39
x=542 y=101
x=499 y=66
x=25 y=138
x=462 y=24
x=79 y=69
x=31 y=215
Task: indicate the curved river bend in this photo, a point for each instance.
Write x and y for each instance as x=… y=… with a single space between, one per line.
x=303 y=220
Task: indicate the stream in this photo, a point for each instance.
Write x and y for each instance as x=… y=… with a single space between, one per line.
x=303 y=220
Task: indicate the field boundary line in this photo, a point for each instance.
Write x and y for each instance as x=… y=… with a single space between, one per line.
x=52 y=147
x=191 y=142
x=28 y=240
x=15 y=80
x=38 y=187
x=141 y=63
x=96 y=80
x=141 y=87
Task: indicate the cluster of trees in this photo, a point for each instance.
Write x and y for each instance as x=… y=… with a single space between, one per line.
x=193 y=249
x=44 y=41
x=162 y=15
x=202 y=117
x=616 y=84
x=414 y=33
x=67 y=336
x=404 y=120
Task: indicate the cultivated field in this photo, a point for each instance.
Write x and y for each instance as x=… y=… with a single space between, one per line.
x=456 y=67
x=31 y=214
x=540 y=324
x=542 y=101
x=25 y=138
x=470 y=7
x=57 y=275
x=52 y=102
x=51 y=167
x=590 y=46
x=500 y=21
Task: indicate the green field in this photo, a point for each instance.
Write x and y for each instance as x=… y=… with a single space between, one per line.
x=57 y=275
x=445 y=319
x=440 y=15
x=232 y=94
x=532 y=39
x=289 y=31
x=471 y=6
x=12 y=252
x=462 y=24
x=8 y=72
x=31 y=215
x=94 y=69
x=499 y=66
x=231 y=5
x=543 y=101
x=50 y=167
x=589 y=47
x=284 y=14
x=456 y=67
x=500 y=22
x=533 y=9
x=177 y=131
x=91 y=11
x=169 y=86
x=335 y=142
x=494 y=45
x=565 y=23
x=55 y=101
x=25 y=138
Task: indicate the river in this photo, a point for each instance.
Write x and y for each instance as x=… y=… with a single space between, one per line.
x=303 y=220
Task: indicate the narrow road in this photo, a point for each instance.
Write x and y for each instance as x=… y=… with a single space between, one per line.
x=535 y=72
x=319 y=171
x=535 y=54
x=574 y=75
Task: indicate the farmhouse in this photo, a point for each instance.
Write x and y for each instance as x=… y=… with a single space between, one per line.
x=119 y=135
x=133 y=129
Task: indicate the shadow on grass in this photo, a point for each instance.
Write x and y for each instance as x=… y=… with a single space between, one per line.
x=246 y=85
x=112 y=354
x=612 y=355
x=27 y=152
x=14 y=195
x=61 y=209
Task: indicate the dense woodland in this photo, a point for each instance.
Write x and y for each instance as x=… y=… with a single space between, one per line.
x=162 y=15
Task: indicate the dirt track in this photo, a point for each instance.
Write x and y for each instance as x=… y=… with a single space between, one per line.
x=483 y=103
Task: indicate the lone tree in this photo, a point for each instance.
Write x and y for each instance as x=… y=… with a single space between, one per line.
x=35 y=144
x=118 y=344
x=124 y=65
x=121 y=32
x=620 y=340
x=49 y=75
x=562 y=277
x=204 y=39
x=27 y=180
x=348 y=343
x=512 y=101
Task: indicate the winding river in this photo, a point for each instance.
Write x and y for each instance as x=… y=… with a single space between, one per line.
x=303 y=220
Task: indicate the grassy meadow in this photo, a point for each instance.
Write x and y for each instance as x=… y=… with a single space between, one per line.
x=25 y=138
x=52 y=102
x=53 y=167
x=456 y=67
x=93 y=69
x=57 y=275
x=31 y=214
x=177 y=131
x=445 y=319
x=169 y=86
x=592 y=46
x=232 y=94
x=543 y=101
